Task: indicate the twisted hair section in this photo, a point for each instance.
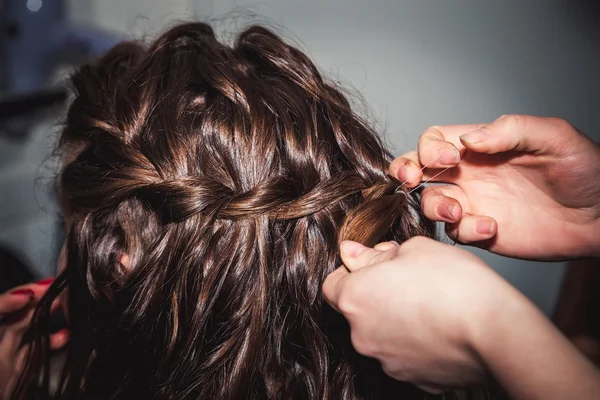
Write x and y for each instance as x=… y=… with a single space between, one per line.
x=228 y=174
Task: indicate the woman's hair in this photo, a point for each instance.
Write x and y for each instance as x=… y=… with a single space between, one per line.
x=228 y=175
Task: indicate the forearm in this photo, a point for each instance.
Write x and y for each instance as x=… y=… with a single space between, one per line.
x=532 y=360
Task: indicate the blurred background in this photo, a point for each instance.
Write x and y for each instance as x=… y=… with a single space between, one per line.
x=417 y=63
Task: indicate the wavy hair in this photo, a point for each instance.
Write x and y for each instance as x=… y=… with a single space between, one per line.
x=228 y=175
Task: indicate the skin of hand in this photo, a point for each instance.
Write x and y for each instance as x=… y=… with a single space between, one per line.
x=521 y=186
x=446 y=325
x=413 y=313
x=21 y=300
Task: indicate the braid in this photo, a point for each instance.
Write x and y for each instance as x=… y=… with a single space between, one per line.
x=133 y=175
x=228 y=175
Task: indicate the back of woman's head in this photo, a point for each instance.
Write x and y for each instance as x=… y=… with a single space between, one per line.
x=227 y=175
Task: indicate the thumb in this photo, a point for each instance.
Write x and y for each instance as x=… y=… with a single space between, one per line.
x=356 y=256
x=510 y=132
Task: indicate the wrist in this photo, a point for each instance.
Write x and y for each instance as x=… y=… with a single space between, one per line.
x=499 y=323
x=528 y=356
x=505 y=338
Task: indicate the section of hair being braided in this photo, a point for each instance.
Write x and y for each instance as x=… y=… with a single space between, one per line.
x=228 y=175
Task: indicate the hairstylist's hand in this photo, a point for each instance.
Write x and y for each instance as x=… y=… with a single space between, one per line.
x=19 y=303
x=438 y=316
x=413 y=307
x=524 y=186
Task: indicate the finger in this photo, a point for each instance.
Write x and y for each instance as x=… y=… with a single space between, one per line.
x=407 y=169
x=36 y=288
x=385 y=246
x=356 y=256
x=15 y=300
x=21 y=326
x=435 y=151
x=333 y=286
x=41 y=287
x=21 y=357
x=14 y=304
x=19 y=321
x=431 y=389
x=59 y=339
x=514 y=132
x=13 y=334
x=11 y=342
x=19 y=364
x=472 y=228
x=444 y=203
x=452 y=133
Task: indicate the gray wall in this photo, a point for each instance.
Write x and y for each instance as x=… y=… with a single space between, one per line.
x=417 y=62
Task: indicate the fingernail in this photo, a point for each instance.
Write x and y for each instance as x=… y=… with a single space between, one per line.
x=449 y=157
x=352 y=249
x=446 y=211
x=22 y=292
x=474 y=137
x=451 y=209
x=44 y=282
x=485 y=226
x=405 y=172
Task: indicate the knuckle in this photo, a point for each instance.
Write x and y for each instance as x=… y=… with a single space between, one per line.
x=384 y=246
x=433 y=132
x=376 y=258
x=427 y=191
x=402 y=162
x=415 y=241
x=431 y=193
x=385 y=367
x=362 y=344
x=512 y=121
x=560 y=123
x=560 y=135
x=409 y=157
x=427 y=204
x=394 y=372
x=431 y=389
x=391 y=254
x=347 y=303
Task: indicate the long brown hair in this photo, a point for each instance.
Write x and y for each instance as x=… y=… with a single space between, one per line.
x=228 y=175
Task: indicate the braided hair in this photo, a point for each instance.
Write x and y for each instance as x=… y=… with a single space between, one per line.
x=228 y=174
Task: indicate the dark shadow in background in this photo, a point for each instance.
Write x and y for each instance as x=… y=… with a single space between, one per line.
x=585 y=14
x=577 y=312
x=13 y=270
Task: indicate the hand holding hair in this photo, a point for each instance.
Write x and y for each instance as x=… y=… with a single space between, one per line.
x=446 y=325
x=521 y=186
x=411 y=312
x=17 y=307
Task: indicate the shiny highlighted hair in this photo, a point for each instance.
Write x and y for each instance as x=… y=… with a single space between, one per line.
x=228 y=174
